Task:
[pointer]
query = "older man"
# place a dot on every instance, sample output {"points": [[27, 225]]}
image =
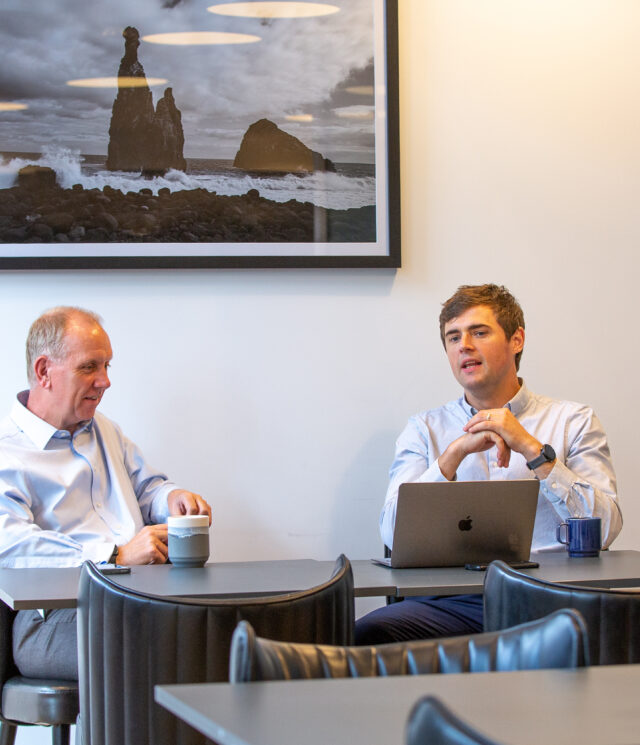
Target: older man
{"points": [[498, 429], [72, 486]]}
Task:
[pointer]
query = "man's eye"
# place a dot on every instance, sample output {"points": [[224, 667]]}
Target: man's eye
{"points": [[454, 339]]}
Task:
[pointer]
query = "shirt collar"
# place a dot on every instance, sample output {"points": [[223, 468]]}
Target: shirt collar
{"points": [[516, 405], [36, 429], [519, 402]]}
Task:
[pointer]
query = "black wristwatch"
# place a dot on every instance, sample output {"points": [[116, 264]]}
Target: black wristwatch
{"points": [[547, 454], [114, 556]]}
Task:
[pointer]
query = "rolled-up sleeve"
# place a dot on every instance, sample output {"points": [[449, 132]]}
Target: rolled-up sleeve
{"points": [[585, 483]]}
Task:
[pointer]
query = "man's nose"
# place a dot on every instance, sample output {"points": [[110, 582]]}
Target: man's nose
{"points": [[102, 380], [465, 341]]}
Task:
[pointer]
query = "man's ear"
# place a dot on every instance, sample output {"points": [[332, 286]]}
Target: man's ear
{"points": [[41, 367], [517, 340]]}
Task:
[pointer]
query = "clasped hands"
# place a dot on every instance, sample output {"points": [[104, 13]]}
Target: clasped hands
{"points": [[499, 427], [486, 429]]}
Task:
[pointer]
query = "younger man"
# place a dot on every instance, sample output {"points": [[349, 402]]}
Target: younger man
{"points": [[497, 429]]}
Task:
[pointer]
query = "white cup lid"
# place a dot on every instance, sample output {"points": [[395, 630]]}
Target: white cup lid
{"points": [[188, 521]]}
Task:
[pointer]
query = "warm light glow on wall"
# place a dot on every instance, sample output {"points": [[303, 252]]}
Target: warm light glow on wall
{"points": [[120, 82], [299, 118], [187, 38], [286, 9], [10, 106]]}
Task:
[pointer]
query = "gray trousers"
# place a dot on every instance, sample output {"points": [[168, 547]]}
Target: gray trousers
{"points": [[46, 647]]}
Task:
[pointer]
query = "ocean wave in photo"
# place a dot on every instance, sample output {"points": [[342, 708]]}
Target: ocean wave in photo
{"points": [[352, 186]]}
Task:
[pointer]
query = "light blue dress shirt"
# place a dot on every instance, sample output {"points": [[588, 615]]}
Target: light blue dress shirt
{"points": [[66, 499], [581, 483]]}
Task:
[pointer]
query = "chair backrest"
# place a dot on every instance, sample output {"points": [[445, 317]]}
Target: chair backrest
{"points": [[432, 723], [556, 641], [612, 617], [128, 642]]}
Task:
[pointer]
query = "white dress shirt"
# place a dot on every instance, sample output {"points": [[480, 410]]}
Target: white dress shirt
{"points": [[65, 499], [581, 483]]}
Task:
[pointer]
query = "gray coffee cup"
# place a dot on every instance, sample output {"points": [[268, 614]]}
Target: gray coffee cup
{"points": [[188, 540]]}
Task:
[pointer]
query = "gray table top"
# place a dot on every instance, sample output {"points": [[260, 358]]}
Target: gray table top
{"points": [[610, 569], [591, 706], [58, 588]]}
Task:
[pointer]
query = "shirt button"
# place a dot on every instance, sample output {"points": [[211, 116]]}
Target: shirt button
{"points": [[494, 464], [554, 485], [99, 505]]}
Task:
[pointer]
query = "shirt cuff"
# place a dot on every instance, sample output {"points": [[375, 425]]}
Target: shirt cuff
{"points": [[557, 486], [160, 506], [98, 554], [433, 473]]}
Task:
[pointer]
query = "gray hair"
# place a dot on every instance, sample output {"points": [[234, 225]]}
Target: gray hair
{"points": [[47, 334]]}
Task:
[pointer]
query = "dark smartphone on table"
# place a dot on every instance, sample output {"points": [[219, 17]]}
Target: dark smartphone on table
{"points": [[513, 564], [114, 569]]}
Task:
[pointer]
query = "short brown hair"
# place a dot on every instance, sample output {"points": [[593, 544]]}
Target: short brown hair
{"points": [[504, 305]]}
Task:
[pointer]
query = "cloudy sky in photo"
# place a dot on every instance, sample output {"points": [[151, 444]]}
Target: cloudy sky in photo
{"points": [[299, 67]]}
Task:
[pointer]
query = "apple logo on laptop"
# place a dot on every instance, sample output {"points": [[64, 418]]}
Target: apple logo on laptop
{"points": [[465, 524]]}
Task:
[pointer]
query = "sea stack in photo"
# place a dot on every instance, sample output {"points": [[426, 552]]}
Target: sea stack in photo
{"points": [[265, 147], [141, 138]]}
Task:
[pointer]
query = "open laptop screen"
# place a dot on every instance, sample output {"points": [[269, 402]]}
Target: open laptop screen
{"points": [[453, 523]]}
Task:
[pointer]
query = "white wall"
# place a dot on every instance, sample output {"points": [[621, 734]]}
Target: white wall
{"points": [[279, 394]]}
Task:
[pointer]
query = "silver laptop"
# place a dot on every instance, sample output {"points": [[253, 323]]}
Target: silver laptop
{"points": [[453, 523]]}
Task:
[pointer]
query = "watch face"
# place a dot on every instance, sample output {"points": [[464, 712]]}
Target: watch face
{"points": [[547, 454]]}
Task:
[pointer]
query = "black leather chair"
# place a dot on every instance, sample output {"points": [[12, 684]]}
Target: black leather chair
{"points": [[129, 642], [432, 723], [33, 701], [612, 616], [556, 641]]}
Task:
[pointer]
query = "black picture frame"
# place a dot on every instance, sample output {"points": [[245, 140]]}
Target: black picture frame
{"points": [[384, 251]]}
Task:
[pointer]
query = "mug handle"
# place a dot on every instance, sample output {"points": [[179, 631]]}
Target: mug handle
{"points": [[559, 531]]}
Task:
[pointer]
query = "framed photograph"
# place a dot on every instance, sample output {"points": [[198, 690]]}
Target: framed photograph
{"points": [[196, 133]]}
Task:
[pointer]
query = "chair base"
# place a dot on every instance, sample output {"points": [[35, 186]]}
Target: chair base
{"points": [[8, 733], [60, 733]]}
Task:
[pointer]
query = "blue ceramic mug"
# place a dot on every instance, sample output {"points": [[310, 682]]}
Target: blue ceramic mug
{"points": [[581, 535]]}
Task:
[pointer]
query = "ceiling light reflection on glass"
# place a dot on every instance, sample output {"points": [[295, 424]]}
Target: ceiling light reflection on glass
{"points": [[119, 82], [192, 38], [355, 112], [299, 118], [282, 9], [360, 90], [11, 106]]}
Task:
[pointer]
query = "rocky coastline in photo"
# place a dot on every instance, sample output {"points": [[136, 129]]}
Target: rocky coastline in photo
{"points": [[150, 142], [267, 148], [38, 210], [140, 138]]}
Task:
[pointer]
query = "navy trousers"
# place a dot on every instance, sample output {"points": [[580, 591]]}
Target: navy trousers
{"points": [[422, 617]]}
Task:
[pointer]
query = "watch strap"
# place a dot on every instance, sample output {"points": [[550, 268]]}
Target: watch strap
{"points": [[547, 454]]}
